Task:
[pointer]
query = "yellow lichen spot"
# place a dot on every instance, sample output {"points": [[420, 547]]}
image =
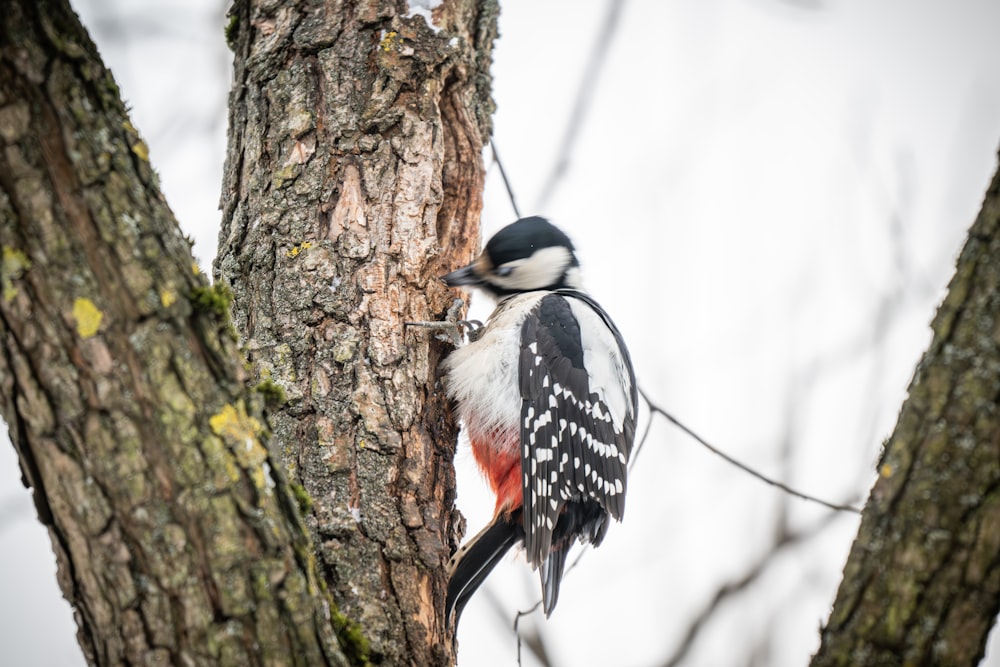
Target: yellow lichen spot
{"points": [[167, 297], [141, 150], [234, 425], [88, 317], [885, 470], [241, 432], [286, 174], [294, 252], [15, 263], [387, 41], [259, 477]]}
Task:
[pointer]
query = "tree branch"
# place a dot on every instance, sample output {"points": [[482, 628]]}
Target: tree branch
{"points": [[922, 582]]}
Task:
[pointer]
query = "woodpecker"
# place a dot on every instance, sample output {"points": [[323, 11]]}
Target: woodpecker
{"points": [[547, 395]]}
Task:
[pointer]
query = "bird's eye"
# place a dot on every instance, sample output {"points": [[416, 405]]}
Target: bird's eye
{"points": [[503, 271]]}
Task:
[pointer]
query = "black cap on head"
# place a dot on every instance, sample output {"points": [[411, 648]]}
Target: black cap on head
{"points": [[522, 238]]}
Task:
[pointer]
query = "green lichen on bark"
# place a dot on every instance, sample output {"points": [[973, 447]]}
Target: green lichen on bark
{"points": [[14, 264], [272, 393], [302, 496], [232, 26], [217, 299], [352, 639]]}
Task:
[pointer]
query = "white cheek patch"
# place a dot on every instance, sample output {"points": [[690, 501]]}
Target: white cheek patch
{"points": [[543, 268], [573, 278]]}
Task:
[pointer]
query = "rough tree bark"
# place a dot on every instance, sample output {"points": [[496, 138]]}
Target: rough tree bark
{"points": [[354, 177], [177, 539], [353, 180], [922, 583]]}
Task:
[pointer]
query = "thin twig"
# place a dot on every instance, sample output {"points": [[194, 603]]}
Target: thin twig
{"points": [[742, 466], [736, 586], [588, 86], [535, 644], [506, 181], [642, 441]]}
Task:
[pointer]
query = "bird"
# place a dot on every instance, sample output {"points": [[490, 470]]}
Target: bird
{"points": [[546, 393]]}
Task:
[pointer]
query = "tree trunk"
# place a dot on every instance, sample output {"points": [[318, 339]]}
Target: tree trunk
{"points": [[177, 540], [922, 583], [353, 180]]}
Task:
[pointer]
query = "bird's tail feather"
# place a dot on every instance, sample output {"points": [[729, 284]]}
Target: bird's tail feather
{"points": [[474, 561], [551, 573], [587, 521]]}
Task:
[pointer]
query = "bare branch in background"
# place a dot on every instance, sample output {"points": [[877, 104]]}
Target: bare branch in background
{"points": [[584, 95], [840, 507], [783, 542], [503, 175], [533, 637], [803, 382]]}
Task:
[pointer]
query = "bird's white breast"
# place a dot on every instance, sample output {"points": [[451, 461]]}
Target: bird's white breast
{"points": [[482, 376]]}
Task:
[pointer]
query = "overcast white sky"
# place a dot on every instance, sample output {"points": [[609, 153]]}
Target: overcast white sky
{"points": [[767, 195]]}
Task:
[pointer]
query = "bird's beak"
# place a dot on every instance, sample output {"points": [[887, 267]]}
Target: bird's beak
{"points": [[465, 276]]}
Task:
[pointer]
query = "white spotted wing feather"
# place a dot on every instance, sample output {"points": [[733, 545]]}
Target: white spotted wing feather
{"points": [[578, 409]]}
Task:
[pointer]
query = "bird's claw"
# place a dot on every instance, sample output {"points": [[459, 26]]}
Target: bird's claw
{"points": [[453, 327]]}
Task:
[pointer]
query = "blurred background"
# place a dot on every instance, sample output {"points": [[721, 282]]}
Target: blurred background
{"points": [[768, 196]]}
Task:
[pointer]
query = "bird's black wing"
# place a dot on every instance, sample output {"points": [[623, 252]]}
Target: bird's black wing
{"points": [[574, 449]]}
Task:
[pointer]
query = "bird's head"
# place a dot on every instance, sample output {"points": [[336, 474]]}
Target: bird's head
{"points": [[528, 255]]}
